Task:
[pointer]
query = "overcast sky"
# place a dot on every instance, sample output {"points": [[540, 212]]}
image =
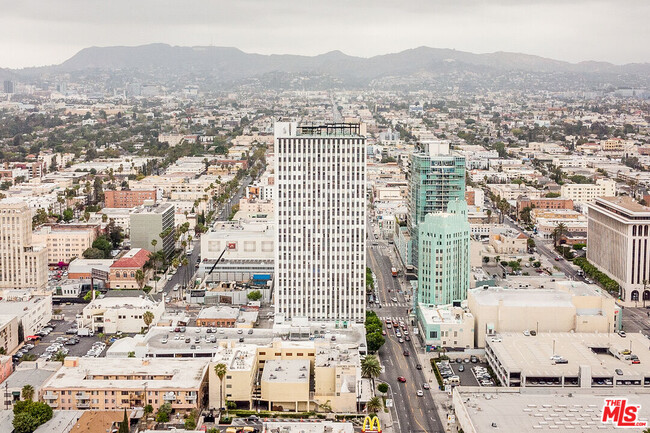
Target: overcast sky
{"points": [[40, 32]]}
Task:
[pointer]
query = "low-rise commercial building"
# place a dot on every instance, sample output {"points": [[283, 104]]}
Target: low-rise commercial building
{"points": [[117, 312], [218, 317], [563, 307], [445, 326], [34, 373], [570, 360], [33, 311], [110, 384], [481, 410], [508, 241], [123, 272]]}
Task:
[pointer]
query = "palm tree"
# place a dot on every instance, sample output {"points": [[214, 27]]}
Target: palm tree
{"points": [[370, 367], [154, 242], [148, 318], [28, 392], [59, 356], [220, 370], [374, 405], [558, 232], [489, 215], [139, 278]]}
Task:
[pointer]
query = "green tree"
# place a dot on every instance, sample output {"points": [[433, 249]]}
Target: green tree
{"points": [[220, 370], [559, 231], [255, 295], [190, 422], [163, 412], [131, 354], [93, 253], [104, 245], [374, 405], [88, 296], [148, 409], [124, 425], [28, 392], [59, 356], [28, 415], [383, 388], [68, 215]]}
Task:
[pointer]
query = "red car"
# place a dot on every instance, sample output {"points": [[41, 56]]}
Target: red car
{"points": [[383, 332], [406, 353], [401, 379]]}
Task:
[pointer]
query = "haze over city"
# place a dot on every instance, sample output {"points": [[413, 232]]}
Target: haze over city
{"points": [[324, 217], [36, 33]]}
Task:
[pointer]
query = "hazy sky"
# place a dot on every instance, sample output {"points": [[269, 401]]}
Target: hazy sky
{"points": [[39, 32]]}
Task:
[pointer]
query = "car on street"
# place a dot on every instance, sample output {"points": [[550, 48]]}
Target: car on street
{"points": [[393, 299], [383, 332], [418, 367], [622, 333], [420, 393], [619, 371], [401, 379], [400, 340], [426, 386], [406, 353], [407, 338]]}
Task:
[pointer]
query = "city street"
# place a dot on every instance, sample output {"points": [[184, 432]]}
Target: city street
{"points": [[410, 413]]}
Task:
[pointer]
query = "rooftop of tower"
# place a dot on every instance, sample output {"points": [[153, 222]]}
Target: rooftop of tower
{"points": [[330, 129]]}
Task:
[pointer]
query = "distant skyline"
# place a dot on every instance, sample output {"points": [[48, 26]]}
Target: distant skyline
{"points": [[37, 32]]}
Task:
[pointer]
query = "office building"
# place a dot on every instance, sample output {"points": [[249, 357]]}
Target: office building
{"points": [[443, 257], [119, 313], [148, 222], [321, 222], [437, 177], [22, 264], [618, 229], [8, 86]]}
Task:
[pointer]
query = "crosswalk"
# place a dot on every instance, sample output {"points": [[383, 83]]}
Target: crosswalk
{"points": [[396, 319], [395, 304]]}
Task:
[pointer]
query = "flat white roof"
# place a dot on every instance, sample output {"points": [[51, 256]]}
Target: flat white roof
{"points": [[542, 411], [532, 355]]}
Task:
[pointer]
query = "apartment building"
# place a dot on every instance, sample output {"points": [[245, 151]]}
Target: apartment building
{"points": [[543, 203], [66, 242], [278, 376], [124, 383], [148, 222], [23, 264], [508, 242], [321, 222], [618, 232], [128, 198], [588, 192], [437, 177]]}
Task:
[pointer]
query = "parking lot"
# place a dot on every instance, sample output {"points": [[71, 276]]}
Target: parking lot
{"points": [[58, 335]]}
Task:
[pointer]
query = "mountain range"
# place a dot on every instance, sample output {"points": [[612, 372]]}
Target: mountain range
{"points": [[232, 65]]}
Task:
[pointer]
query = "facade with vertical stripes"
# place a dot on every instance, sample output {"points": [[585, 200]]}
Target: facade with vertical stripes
{"points": [[321, 215], [618, 236]]}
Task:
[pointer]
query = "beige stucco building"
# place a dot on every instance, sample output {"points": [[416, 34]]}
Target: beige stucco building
{"points": [[23, 264], [119, 313], [588, 192], [109, 384], [618, 233], [564, 307], [278, 376], [509, 242], [66, 242]]}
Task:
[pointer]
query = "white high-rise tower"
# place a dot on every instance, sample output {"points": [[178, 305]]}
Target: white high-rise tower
{"points": [[321, 214]]}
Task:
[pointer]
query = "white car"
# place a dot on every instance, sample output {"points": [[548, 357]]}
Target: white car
{"points": [[420, 393]]}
